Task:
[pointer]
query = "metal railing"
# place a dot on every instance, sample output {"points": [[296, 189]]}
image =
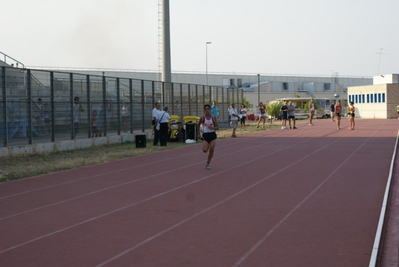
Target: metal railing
{"points": [[38, 106], [13, 59]]}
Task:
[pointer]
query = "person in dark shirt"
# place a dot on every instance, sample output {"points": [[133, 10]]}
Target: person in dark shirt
{"points": [[284, 115], [332, 110]]}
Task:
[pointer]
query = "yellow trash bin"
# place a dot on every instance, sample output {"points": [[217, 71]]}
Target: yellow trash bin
{"points": [[190, 125]]}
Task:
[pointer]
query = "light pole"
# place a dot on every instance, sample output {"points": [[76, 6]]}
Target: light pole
{"points": [[258, 89], [206, 61]]}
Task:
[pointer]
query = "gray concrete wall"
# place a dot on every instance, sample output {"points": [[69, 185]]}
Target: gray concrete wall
{"points": [[49, 147]]}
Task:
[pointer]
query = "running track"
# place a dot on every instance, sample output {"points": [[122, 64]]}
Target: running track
{"points": [[305, 197]]}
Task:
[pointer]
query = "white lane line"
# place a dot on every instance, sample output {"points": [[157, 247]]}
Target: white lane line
{"points": [[377, 239], [219, 203], [107, 173], [130, 182], [249, 252], [150, 198]]}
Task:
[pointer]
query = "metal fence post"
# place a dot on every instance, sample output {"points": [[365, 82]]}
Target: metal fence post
{"points": [[181, 100], [29, 94], [52, 110], [71, 96], [118, 105], [223, 110], [89, 107], [189, 100], [104, 105], [203, 95], [131, 104], [4, 92], [142, 106]]}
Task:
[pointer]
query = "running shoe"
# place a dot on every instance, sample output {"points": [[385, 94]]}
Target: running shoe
{"points": [[207, 166]]}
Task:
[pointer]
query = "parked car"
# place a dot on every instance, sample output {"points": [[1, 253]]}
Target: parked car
{"points": [[322, 114]]}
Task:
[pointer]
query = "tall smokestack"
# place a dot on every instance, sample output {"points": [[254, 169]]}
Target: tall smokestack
{"points": [[166, 65]]}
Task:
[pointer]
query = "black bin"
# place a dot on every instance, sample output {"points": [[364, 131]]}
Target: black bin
{"points": [[141, 141], [191, 131]]}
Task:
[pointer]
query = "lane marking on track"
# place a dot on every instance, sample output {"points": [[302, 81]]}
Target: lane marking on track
{"points": [[162, 194], [249, 252], [380, 226], [130, 182], [227, 199]]}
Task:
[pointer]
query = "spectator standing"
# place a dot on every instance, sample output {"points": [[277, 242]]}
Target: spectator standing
{"points": [[338, 113], [154, 121], [332, 110], [215, 110], [262, 114], [351, 116], [125, 116], [243, 116], [291, 114], [234, 119], [77, 109], [397, 110], [311, 111], [284, 115], [163, 118]]}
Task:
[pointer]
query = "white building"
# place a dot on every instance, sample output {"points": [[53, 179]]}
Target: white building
{"points": [[378, 100]]}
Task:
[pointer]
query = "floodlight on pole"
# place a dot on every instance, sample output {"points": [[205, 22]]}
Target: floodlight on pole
{"points": [[206, 61], [258, 89]]}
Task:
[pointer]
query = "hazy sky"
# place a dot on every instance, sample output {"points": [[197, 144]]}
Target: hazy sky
{"points": [[315, 37]]}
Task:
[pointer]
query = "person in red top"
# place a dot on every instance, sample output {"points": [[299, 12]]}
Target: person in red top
{"points": [[338, 113]]}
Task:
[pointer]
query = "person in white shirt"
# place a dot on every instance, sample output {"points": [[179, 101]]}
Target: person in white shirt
{"points": [[154, 122], [163, 118], [209, 125], [125, 116], [311, 112], [77, 109], [234, 119]]}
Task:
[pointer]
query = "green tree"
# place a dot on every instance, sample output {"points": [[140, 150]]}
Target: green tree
{"points": [[246, 103], [316, 105], [273, 108]]}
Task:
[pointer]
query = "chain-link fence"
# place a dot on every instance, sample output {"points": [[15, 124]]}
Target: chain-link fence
{"points": [[39, 106]]}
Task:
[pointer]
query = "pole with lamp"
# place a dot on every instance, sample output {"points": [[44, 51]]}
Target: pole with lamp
{"points": [[258, 91], [206, 61]]}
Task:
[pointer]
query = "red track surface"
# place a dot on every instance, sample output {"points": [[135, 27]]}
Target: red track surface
{"points": [[305, 197]]}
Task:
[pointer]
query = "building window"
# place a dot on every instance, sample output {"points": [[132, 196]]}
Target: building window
{"points": [[379, 98], [239, 83], [383, 97], [356, 99], [375, 98], [285, 86], [368, 98], [327, 86], [363, 99], [232, 82]]}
